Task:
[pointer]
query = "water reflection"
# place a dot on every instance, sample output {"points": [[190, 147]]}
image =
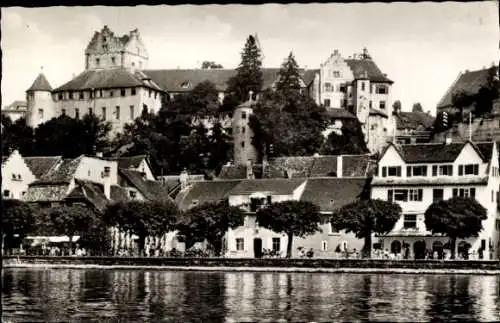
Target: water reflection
{"points": [[34, 295]]}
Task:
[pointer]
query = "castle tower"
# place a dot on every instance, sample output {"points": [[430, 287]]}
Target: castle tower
{"points": [[244, 151], [40, 106], [107, 51]]}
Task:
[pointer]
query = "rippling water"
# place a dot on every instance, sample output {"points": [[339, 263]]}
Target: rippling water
{"points": [[71, 295]]}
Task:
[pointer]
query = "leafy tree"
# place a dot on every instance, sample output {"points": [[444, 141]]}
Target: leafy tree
{"points": [[17, 219], [458, 217], [294, 218], [143, 218], [487, 93], [209, 221], [365, 217], [350, 142], [16, 135], [249, 73], [95, 134], [210, 65], [417, 107], [396, 106], [293, 129], [67, 220], [288, 83]]}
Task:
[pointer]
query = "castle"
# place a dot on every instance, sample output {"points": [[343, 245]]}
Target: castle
{"points": [[117, 86]]}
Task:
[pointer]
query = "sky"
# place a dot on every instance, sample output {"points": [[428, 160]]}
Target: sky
{"points": [[422, 47]]}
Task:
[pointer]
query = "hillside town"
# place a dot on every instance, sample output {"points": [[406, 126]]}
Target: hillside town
{"points": [[249, 162]]}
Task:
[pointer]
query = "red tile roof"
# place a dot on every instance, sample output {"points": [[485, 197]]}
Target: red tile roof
{"points": [[40, 84], [107, 79], [206, 191], [91, 192], [63, 172], [40, 166], [151, 190]]}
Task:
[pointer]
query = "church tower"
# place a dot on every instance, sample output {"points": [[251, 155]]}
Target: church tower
{"points": [[40, 106], [108, 51]]}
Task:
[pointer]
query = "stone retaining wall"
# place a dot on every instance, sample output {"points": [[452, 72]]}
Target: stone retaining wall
{"points": [[13, 261]]}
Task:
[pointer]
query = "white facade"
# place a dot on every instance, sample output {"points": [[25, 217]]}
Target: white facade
{"points": [[244, 150], [16, 176], [415, 193]]}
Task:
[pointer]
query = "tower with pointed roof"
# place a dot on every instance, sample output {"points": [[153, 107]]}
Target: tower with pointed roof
{"points": [[108, 51], [40, 106], [244, 151]]}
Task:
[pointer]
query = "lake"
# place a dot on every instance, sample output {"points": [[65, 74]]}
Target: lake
{"points": [[83, 295]]}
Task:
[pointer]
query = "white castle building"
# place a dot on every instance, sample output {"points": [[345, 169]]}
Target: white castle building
{"points": [[117, 86]]}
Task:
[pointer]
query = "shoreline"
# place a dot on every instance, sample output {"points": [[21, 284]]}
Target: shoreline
{"points": [[413, 271]]}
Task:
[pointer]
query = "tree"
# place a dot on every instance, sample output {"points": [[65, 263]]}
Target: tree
{"points": [[417, 107], [209, 221], [16, 135], [487, 93], [210, 65], [458, 217], [294, 218], [288, 83], [396, 107], [350, 142], [365, 217], [17, 219], [249, 73], [67, 220], [143, 218]]}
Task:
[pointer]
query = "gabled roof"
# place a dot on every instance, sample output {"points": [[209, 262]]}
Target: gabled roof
{"points": [[469, 81], [107, 79], [88, 191], [63, 172], [366, 69], [414, 120], [378, 112], [356, 165], [440, 152], [184, 80], [276, 186], [151, 190], [339, 113], [40, 84], [206, 191], [41, 165], [332, 193]]}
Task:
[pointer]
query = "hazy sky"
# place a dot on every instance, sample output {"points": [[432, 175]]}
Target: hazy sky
{"points": [[421, 46]]}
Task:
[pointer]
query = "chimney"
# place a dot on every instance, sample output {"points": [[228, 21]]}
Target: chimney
{"points": [[447, 139], [339, 166], [107, 187], [183, 179]]}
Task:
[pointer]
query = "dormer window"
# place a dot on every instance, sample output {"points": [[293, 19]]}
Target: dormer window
{"points": [[391, 171], [194, 202], [468, 169], [416, 170], [132, 194], [185, 84]]}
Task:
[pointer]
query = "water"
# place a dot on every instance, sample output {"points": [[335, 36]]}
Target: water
{"points": [[70, 295]]}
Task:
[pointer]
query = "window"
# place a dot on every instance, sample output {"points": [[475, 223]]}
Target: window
{"points": [[384, 171], [70, 95], [442, 170], [420, 170], [6, 193], [390, 196], [497, 224], [437, 194], [410, 221], [327, 102], [394, 171], [401, 195], [468, 169], [243, 115], [106, 172], [243, 129], [113, 60], [40, 114], [242, 144], [149, 92], [370, 104], [324, 245], [100, 93], [122, 92], [104, 113], [381, 89], [332, 229], [240, 244], [328, 87], [117, 112], [60, 96], [276, 244], [144, 108], [132, 91], [80, 95], [97, 61], [362, 86], [343, 88], [91, 111], [336, 74], [63, 112], [464, 192], [131, 112], [132, 194], [382, 105], [111, 93], [91, 94], [194, 202], [415, 195], [77, 113]]}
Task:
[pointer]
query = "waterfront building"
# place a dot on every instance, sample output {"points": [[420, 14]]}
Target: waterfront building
{"points": [[15, 111], [250, 240], [16, 176], [413, 127], [415, 176]]}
